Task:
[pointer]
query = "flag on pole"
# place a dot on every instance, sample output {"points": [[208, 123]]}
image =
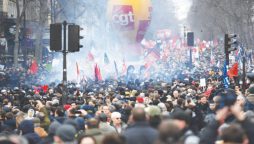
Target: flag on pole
{"points": [[124, 69], [116, 69], [48, 67], [77, 68], [106, 60], [225, 77], [97, 73], [233, 71], [34, 67], [218, 64], [212, 59], [90, 56]]}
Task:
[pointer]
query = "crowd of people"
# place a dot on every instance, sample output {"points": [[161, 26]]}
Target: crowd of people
{"points": [[116, 112], [168, 106]]}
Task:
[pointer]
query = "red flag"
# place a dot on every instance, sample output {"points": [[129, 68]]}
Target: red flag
{"points": [[34, 67], [45, 88], [97, 73], [233, 71], [124, 70], [90, 56], [77, 69]]}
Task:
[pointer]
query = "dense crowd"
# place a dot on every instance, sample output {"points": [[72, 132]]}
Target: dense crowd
{"points": [[166, 104], [119, 112]]}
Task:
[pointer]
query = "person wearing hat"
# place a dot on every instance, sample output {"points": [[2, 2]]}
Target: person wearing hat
{"points": [[65, 134]]}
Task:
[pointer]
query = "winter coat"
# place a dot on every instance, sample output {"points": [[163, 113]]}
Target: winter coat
{"points": [[106, 128], [46, 121], [140, 133], [96, 133], [27, 129]]}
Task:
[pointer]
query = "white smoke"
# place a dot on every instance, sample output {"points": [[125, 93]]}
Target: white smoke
{"points": [[101, 38]]}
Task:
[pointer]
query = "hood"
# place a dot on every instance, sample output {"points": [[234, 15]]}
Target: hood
{"points": [[26, 127], [32, 138]]}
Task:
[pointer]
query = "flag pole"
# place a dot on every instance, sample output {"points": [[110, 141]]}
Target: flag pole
{"points": [[244, 75]]}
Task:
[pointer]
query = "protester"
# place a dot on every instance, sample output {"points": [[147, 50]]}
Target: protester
{"points": [[140, 131], [169, 106], [65, 134]]}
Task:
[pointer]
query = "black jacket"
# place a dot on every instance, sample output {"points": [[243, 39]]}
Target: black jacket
{"points": [[209, 133], [140, 133]]}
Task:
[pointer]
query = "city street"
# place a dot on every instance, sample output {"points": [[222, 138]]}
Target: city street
{"points": [[126, 71]]}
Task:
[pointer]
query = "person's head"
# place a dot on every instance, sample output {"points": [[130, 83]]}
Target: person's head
{"points": [[162, 106], [26, 126], [203, 100], [39, 104], [105, 110], [212, 106], [175, 94], [30, 113], [51, 91], [182, 119], [113, 139], [53, 127], [71, 112], [250, 90], [154, 114], [139, 115], [19, 118], [73, 106], [65, 133], [216, 100], [36, 122], [59, 112], [9, 115], [116, 118], [240, 100], [234, 134], [103, 117], [92, 123], [169, 131], [84, 139]]}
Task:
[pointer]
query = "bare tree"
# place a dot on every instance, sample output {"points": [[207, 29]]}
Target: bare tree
{"points": [[43, 17], [217, 17], [20, 15]]}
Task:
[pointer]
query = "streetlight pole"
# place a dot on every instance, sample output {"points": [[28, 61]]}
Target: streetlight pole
{"points": [[25, 51], [64, 54]]}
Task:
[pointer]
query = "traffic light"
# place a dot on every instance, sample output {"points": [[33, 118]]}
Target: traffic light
{"points": [[190, 38], [74, 38], [56, 37], [230, 44]]}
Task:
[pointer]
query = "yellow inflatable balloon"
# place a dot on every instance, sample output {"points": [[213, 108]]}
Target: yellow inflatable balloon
{"points": [[130, 18]]}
